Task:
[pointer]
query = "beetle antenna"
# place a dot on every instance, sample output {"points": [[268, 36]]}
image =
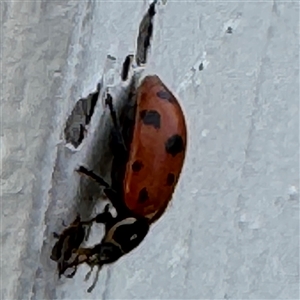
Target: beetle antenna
{"points": [[88, 274], [95, 279]]}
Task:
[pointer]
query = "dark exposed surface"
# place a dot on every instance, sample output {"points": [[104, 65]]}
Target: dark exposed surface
{"points": [[80, 117], [145, 35]]}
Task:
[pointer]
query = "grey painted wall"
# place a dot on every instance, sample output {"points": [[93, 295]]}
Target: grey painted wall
{"points": [[232, 230]]}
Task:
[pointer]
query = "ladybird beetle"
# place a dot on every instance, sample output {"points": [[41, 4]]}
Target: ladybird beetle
{"points": [[148, 143], [144, 177]]}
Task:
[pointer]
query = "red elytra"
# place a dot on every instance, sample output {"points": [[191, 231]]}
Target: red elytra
{"points": [[157, 150]]}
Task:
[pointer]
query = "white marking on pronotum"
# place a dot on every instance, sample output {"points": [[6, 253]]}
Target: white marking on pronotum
{"points": [[109, 237]]}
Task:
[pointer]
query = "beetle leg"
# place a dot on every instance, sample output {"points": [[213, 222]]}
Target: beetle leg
{"points": [[108, 101], [111, 194], [115, 200], [69, 239], [88, 274], [61, 261], [71, 275], [119, 145], [89, 290], [104, 217], [82, 256], [92, 175], [70, 244], [66, 266]]}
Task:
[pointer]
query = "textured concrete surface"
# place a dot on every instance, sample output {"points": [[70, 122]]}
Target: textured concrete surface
{"points": [[232, 231]]}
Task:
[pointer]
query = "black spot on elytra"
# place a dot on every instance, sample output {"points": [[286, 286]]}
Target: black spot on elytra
{"points": [[165, 95], [150, 117], [143, 195], [174, 144], [170, 179], [137, 166]]}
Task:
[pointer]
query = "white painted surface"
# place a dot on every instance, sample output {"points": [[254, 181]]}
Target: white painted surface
{"points": [[232, 230]]}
